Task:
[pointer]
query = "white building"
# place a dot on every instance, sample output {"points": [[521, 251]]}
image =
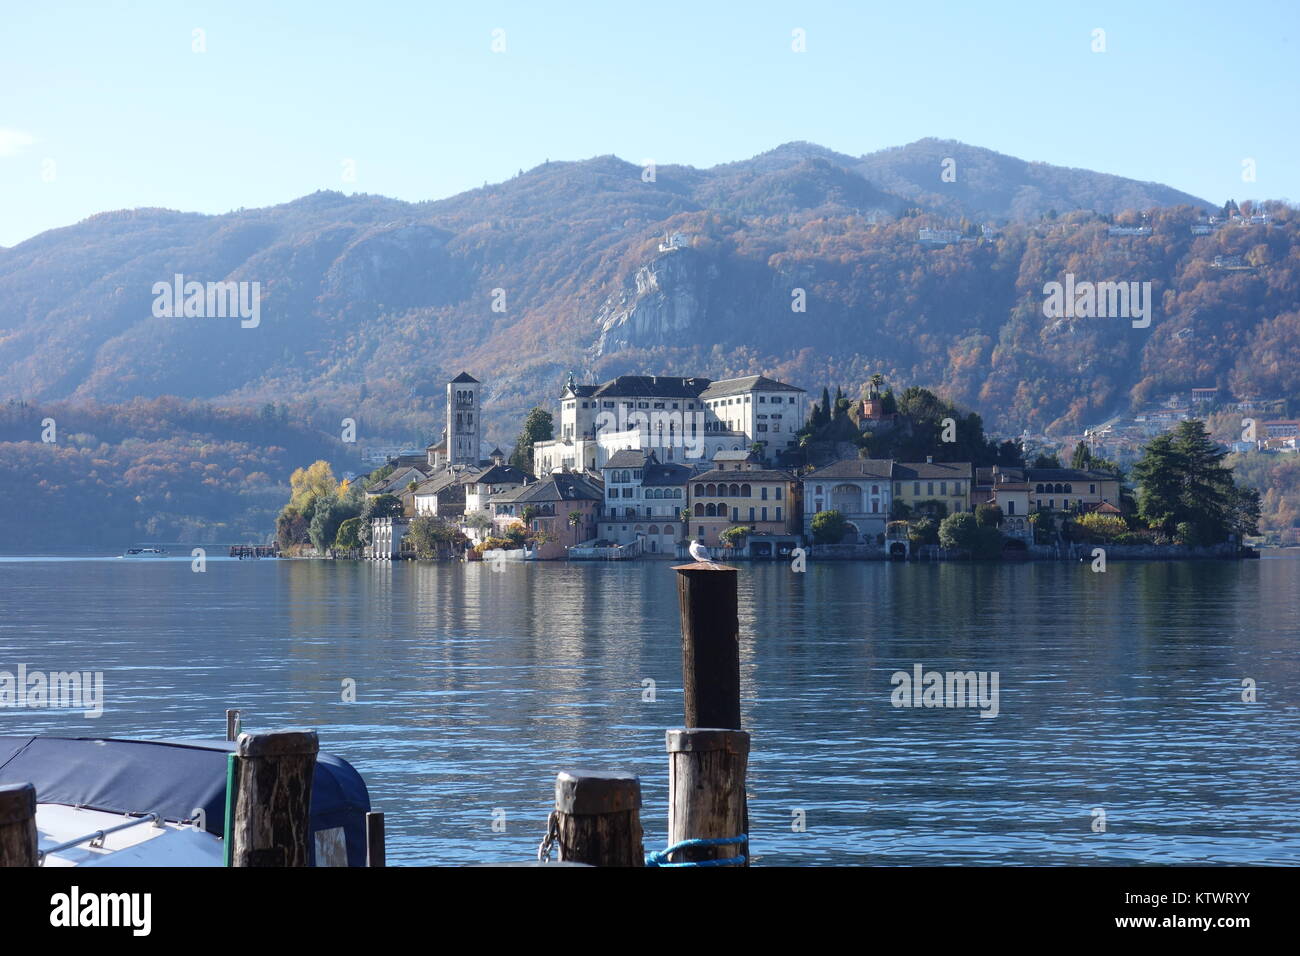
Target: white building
{"points": [[683, 420], [860, 489], [644, 499]]}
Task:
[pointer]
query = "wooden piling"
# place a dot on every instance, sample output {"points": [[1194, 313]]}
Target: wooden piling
{"points": [[376, 851], [706, 791], [18, 825], [598, 818], [271, 819], [232, 724], [706, 597]]}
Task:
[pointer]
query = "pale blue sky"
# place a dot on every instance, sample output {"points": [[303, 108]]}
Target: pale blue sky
{"points": [[130, 116]]}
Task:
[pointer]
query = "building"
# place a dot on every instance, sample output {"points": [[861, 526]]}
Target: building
{"points": [[755, 409], [479, 492], [917, 484], [1066, 489], [681, 419], [1008, 490], [859, 489], [443, 495], [938, 237], [1281, 428], [464, 423], [565, 505], [386, 536], [740, 492], [644, 499], [658, 412]]}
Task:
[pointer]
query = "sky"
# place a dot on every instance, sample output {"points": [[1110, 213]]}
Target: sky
{"points": [[111, 105]]}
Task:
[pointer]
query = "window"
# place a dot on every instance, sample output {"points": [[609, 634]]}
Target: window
{"points": [[764, 514], [751, 514], [764, 494], [943, 489], [778, 492], [1011, 507], [778, 514], [929, 487], [916, 488], [1092, 489]]}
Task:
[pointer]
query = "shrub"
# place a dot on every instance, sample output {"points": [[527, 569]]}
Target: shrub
{"points": [[925, 531], [828, 527], [959, 532], [1095, 527]]}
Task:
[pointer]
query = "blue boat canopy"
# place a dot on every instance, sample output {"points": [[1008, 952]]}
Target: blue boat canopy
{"points": [[171, 777]]}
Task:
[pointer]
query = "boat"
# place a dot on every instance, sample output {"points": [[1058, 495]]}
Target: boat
{"points": [[144, 553], [104, 801]]}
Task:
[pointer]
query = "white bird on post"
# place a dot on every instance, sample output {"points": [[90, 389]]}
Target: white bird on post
{"points": [[699, 552]]}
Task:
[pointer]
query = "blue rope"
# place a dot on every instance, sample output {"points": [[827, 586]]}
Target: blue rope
{"points": [[660, 857]]}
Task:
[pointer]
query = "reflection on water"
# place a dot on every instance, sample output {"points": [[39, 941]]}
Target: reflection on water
{"points": [[1119, 690]]}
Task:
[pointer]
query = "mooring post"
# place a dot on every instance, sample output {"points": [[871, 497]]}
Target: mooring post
{"points": [[706, 791], [272, 810], [598, 818], [375, 849], [18, 825], [706, 596], [232, 724]]}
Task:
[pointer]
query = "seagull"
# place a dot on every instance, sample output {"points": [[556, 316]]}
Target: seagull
{"points": [[699, 552]]}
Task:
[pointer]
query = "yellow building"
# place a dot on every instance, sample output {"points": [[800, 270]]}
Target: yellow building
{"points": [[1070, 489], [739, 491], [945, 481]]}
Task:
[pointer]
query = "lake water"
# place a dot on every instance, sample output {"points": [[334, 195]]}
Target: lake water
{"points": [[1120, 691]]}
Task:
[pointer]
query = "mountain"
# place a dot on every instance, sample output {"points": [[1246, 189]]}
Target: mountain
{"points": [[990, 186], [368, 304]]}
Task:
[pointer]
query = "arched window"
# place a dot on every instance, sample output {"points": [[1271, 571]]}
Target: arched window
{"points": [[654, 529], [668, 529], [1038, 488], [745, 491], [699, 491], [699, 510], [735, 491], [1069, 489], [710, 510], [711, 491]]}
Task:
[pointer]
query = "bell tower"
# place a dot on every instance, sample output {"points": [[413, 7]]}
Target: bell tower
{"points": [[464, 421]]}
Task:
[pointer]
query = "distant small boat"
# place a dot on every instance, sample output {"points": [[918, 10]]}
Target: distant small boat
{"points": [[145, 553]]}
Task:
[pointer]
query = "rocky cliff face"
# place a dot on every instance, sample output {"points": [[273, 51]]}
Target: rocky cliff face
{"points": [[666, 303]]}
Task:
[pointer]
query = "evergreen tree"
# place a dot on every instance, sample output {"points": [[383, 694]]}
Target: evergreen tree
{"points": [[1184, 488], [1082, 457], [538, 426]]}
